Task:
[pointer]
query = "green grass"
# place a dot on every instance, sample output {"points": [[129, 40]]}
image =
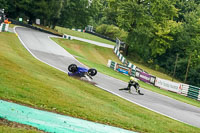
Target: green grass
{"points": [[82, 35], [25, 80], [99, 58], [13, 127], [7, 129]]}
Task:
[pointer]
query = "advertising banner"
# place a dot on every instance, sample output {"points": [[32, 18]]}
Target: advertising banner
{"points": [[123, 69], [37, 21], [168, 85], [145, 77]]}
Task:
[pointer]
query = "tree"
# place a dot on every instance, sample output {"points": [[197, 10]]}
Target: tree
{"points": [[3, 4], [148, 23], [98, 8], [75, 13]]}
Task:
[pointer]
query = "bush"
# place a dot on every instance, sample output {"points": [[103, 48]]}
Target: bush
{"points": [[111, 31], [101, 29]]}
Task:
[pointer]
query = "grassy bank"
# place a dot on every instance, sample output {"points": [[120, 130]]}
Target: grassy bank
{"points": [[83, 51], [62, 30], [13, 127], [25, 80], [7, 129], [82, 35]]}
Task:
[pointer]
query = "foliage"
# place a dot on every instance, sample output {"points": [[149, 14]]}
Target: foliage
{"points": [[75, 13], [3, 4], [112, 31], [159, 30], [68, 13]]}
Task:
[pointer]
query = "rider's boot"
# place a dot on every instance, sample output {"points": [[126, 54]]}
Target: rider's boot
{"points": [[140, 93]]}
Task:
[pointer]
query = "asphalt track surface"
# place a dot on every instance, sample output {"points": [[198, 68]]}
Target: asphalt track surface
{"points": [[46, 50]]}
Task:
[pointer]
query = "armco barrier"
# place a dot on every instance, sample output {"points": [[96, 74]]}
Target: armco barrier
{"points": [[4, 27], [124, 60], [119, 55], [112, 64], [193, 92], [185, 88]]}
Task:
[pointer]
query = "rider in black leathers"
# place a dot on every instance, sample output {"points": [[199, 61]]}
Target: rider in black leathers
{"points": [[133, 82]]}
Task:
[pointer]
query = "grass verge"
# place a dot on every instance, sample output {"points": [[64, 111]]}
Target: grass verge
{"points": [[13, 127], [82, 35], [25, 80]]}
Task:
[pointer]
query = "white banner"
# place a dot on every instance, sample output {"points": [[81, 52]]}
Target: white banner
{"points": [[168, 85], [38, 21]]}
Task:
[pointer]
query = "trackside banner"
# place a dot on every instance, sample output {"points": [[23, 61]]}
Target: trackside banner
{"points": [[123, 69], [145, 77], [168, 85]]}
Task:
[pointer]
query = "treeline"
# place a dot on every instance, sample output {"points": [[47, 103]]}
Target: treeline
{"points": [[159, 33], [68, 13]]}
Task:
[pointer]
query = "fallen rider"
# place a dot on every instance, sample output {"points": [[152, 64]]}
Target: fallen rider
{"points": [[133, 82]]}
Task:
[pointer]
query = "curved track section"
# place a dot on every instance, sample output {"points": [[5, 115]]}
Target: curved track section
{"points": [[51, 53]]}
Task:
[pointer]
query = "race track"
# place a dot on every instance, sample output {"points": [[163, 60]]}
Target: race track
{"points": [[46, 50]]}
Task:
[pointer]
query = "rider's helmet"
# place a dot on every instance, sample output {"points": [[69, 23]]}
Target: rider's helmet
{"points": [[133, 79]]}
